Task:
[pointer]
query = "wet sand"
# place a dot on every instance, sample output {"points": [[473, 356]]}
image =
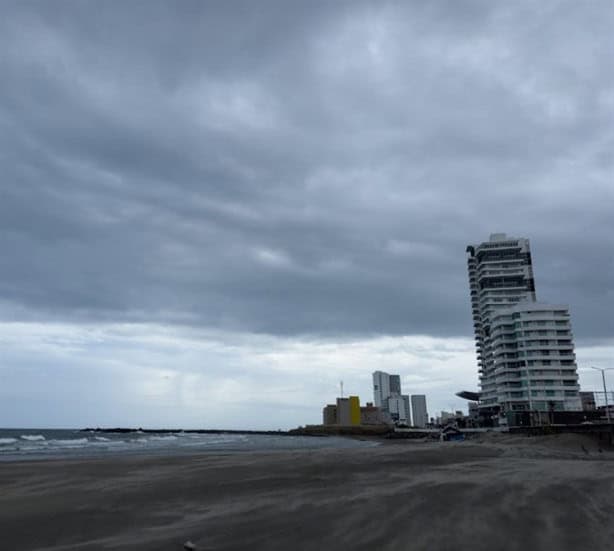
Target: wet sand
{"points": [[503, 493]]}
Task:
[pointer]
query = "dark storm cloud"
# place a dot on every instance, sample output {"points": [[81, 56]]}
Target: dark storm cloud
{"points": [[306, 168]]}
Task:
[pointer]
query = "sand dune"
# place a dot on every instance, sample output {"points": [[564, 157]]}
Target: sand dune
{"points": [[498, 493]]}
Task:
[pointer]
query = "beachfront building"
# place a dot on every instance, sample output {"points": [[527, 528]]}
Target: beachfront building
{"points": [[534, 360], [419, 414], [525, 350], [500, 276]]}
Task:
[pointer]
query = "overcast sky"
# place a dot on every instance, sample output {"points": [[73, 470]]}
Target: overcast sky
{"points": [[212, 212]]}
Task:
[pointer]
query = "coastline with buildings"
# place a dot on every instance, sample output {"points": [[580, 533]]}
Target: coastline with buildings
{"points": [[526, 362], [389, 407]]}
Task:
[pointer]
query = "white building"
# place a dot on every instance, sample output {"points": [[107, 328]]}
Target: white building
{"points": [[418, 410], [381, 389], [511, 356], [387, 396], [533, 359], [500, 276], [398, 407]]}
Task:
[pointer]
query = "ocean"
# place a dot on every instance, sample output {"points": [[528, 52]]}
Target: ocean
{"points": [[18, 444]]}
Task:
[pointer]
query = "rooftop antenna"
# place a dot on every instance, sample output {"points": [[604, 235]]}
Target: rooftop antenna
{"points": [[341, 386]]}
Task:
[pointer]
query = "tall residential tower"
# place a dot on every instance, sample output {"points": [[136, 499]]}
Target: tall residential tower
{"points": [[500, 276], [525, 350]]}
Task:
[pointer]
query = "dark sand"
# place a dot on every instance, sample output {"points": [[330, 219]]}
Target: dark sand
{"points": [[501, 494]]}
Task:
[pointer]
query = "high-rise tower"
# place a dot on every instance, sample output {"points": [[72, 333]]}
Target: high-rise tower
{"points": [[525, 351], [500, 276]]}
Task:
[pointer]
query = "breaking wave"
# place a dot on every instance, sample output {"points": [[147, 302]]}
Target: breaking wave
{"points": [[33, 437]]}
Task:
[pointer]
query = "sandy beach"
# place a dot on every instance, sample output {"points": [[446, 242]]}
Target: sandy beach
{"points": [[502, 493]]}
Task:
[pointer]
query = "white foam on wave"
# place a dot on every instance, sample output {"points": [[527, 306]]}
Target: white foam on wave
{"points": [[102, 439], [32, 437], [169, 437], [6, 441]]}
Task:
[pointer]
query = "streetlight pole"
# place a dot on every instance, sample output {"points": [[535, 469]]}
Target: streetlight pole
{"points": [[605, 390]]}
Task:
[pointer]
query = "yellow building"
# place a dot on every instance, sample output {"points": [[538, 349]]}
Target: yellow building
{"points": [[348, 411], [354, 410]]}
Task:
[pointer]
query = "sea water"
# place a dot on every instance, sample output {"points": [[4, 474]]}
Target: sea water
{"points": [[45, 443]]}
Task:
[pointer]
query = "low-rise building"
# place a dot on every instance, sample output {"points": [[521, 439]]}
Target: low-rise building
{"points": [[348, 411], [329, 414], [372, 415]]}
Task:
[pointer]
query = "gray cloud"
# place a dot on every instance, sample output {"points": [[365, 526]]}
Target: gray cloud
{"points": [[304, 169]]}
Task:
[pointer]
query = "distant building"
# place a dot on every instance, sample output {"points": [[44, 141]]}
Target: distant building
{"points": [[398, 407], [418, 410], [446, 417], [387, 396], [329, 415], [381, 389], [348, 411], [354, 410], [372, 415], [343, 411], [395, 384], [588, 401]]}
